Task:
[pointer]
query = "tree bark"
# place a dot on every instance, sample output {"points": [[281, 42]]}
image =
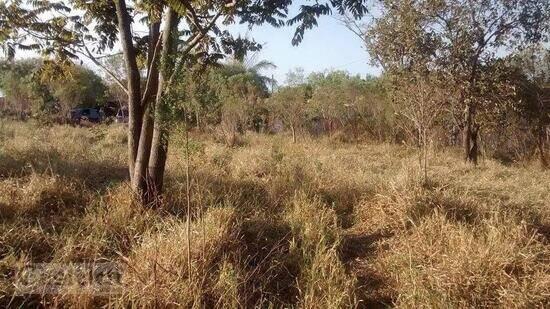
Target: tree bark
{"points": [[159, 145], [471, 127], [139, 179], [135, 111], [471, 130]]}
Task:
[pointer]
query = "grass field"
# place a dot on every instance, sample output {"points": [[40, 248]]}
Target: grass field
{"points": [[317, 224]]}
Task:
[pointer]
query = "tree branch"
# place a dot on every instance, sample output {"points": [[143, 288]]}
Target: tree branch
{"points": [[194, 16], [192, 43], [89, 55], [148, 85]]}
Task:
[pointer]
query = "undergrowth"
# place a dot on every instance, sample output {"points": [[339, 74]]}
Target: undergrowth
{"points": [[317, 224]]}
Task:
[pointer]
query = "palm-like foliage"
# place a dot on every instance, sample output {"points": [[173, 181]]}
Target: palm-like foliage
{"points": [[252, 70]]}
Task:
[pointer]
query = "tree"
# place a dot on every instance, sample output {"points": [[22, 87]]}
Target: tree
{"points": [[59, 28], [534, 90], [242, 89], [459, 38], [19, 86], [419, 101], [77, 87], [229, 94], [45, 89], [352, 102], [296, 77], [291, 105], [197, 95]]}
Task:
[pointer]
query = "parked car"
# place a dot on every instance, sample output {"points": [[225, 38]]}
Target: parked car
{"points": [[122, 116], [85, 114]]}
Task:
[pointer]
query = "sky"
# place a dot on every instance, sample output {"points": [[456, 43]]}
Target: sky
{"points": [[330, 46]]}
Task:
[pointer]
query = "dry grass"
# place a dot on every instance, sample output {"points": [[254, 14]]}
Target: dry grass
{"points": [[157, 271], [494, 264], [323, 281], [318, 224]]}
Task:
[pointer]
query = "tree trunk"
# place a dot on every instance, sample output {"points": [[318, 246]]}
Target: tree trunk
{"points": [[159, 150], [471, 127], [470, 135], [146, 141], [293, 133], [135, 112], [159, 146], [139, 179]]}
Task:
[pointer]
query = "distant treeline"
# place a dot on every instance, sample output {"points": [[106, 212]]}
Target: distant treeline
{"points": [[232, 98], [48, 90]]}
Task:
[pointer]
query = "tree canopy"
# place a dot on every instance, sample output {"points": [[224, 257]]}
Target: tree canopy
{"points": [[461, 42], [45, 89]]}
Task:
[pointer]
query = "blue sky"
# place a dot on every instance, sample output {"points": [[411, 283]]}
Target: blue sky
{"points": [[329, 46]]}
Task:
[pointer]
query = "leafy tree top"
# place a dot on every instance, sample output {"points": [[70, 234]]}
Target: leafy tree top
{"points": [[77, 28]]}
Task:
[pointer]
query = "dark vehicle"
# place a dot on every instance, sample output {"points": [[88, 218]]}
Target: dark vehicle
{"points": [[85, 114]]}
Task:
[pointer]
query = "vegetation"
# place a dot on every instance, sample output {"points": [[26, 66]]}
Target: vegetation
{"points": [[164, 54], [47, 90], [416, 188], [291, 106], [274, 223], [458, 40]]}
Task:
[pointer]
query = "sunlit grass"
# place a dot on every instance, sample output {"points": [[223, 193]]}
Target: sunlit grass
{"points": [[275, 223]]}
